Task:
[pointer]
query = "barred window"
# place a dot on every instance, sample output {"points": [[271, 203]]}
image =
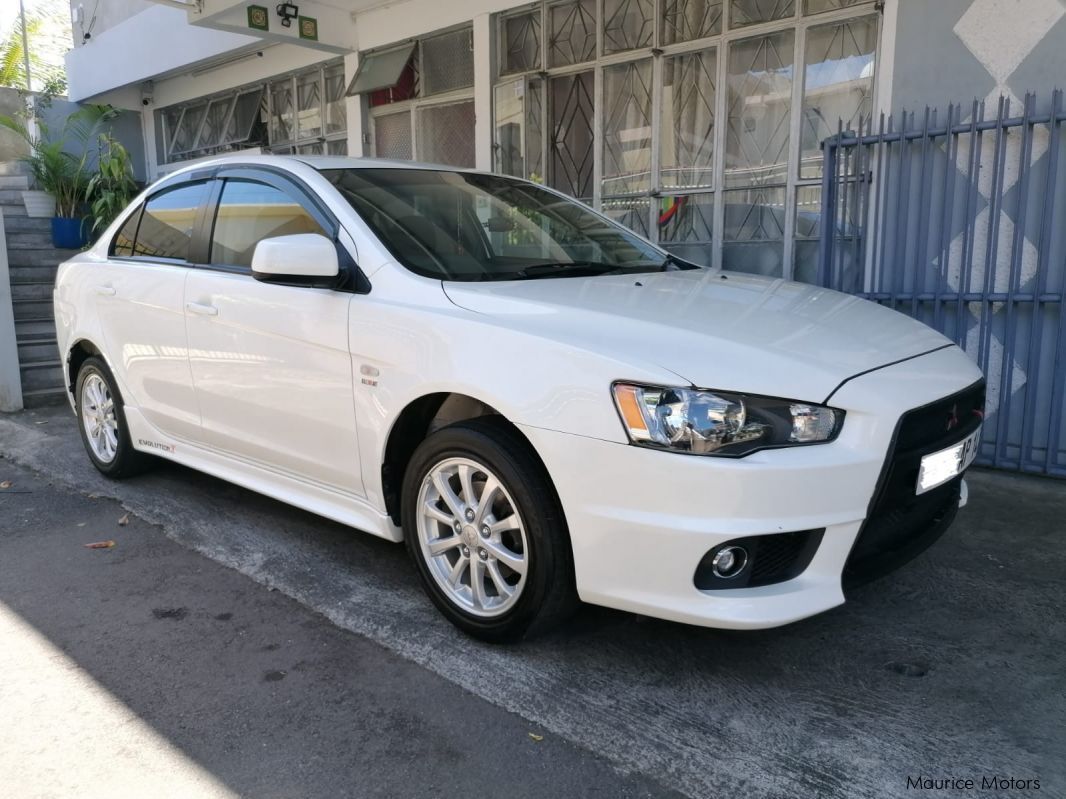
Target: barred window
{"points": [[680, 118], [299, 112], [420, 96]]}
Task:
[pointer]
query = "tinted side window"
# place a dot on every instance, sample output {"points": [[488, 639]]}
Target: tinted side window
{"points": [[249, 212], [122, 245], [167, 222]]}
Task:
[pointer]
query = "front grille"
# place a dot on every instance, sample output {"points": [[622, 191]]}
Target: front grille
{"points": [[772, 558], [900, 524]]}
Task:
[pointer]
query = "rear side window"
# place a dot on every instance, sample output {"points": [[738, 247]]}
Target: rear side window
{"points": [[249, 212], [167, 222], [123, 242]]}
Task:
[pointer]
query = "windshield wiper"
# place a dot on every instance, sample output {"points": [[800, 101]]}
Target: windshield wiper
{"points": [[574, 268]]}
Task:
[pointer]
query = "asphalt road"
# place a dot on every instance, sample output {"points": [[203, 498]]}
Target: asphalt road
{"points": [[951, 667], [145, 669]]}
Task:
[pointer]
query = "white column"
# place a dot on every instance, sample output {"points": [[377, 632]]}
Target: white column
{"points": [[354, 110], [483, 91], [10, 380], [886, 61], [151, 165]]}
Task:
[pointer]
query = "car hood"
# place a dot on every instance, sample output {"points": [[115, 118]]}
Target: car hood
{"points": [[721, 330]]}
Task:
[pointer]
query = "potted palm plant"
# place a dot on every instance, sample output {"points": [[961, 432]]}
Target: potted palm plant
{"points": [[60, 163]]}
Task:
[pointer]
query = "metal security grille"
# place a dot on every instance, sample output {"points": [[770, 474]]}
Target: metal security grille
{"points": [[447, 62], [392, 136], [444, 133], [423, 109], [956, 222]]}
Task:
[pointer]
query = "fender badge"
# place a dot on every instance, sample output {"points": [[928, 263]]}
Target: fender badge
{"points": [[369, 374]]}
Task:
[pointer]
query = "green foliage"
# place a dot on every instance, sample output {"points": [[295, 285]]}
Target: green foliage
{"points": [[59, 160], [12, 53], [112, 188], [47, 30]]}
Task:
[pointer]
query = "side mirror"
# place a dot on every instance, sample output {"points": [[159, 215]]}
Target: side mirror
{"points": [[305, 259]]}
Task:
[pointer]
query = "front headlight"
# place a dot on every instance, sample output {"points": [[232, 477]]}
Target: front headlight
{"points": [[718, 422]]}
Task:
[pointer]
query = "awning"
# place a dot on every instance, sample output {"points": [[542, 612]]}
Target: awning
{"points": [[380, 70]]}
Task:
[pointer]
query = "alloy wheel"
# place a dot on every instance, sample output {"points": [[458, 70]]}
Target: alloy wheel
{"points": [[98, 417], [472, 537]]}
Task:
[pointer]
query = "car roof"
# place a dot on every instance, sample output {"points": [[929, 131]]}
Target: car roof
{"points": [[318, 162], [346, 162], [292, 163]]}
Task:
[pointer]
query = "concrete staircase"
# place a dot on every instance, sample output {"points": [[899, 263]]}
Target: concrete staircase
{"points": [[32, 264]]}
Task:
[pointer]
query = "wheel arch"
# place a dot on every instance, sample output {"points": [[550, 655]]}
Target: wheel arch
{"points": [[81, 350], [420, 418]]}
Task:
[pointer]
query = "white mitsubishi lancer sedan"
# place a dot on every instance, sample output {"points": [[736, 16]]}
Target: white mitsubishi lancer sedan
{"points": [[542, 405]]}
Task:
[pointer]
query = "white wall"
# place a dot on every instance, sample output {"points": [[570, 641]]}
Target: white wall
{"points": [[98, 17], [246, 68], [398, 21], [153, 42]]}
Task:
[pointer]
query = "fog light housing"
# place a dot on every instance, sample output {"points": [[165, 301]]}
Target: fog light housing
{"points": [[729, 561], [756, 560]]}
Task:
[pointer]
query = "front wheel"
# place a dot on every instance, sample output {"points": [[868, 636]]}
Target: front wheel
{"points": [[485, 530], [102, 422]]}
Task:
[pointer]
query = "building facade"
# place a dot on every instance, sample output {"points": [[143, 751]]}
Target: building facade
{"points": [[699, 123], [696, 122]]}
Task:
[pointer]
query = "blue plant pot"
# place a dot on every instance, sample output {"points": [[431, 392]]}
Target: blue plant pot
{"points": [[69, 234]]}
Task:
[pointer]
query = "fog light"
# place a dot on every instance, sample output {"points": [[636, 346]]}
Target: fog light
{"points": [[729, 562]]}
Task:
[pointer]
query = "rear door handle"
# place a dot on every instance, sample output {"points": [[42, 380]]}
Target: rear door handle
{"points": [[203, 310], [104, 291]]}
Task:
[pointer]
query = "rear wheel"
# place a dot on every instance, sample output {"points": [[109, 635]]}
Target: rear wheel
{"points": [[485, 530], [102, 422]]}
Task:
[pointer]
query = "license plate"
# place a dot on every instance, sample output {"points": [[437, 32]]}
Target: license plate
{"points": [[939, 467]]}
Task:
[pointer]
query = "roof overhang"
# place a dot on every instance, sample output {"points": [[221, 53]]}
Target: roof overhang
{"points": [[175, 36]]}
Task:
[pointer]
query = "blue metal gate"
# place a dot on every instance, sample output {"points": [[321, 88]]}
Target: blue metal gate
{"points": [[960, 223]]}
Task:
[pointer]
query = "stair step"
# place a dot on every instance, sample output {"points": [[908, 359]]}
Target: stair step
{"points": [[40, 397], [33, 224], [13, 168], [10, 210], [45, 256], [35, 335], [44, 373], [31, 309], [20, 274], [14, 182], [32, 290], [11, 197], [38, 350], [30, 240], [45, 326]]}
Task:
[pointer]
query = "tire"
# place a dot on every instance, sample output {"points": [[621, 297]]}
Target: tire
{"points": [[530, 519], [112, 453]]}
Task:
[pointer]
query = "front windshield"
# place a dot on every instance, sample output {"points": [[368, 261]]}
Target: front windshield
{"points": [[463, 226]]}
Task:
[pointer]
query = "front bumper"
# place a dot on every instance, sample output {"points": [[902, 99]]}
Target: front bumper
{"points": [[641, 520]]}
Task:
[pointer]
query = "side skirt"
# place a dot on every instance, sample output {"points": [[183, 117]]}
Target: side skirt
{"points": [[334, 505]]}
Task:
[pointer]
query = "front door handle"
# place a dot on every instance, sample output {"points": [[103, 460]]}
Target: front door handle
{"points": [[104, 291], [203, 310]]}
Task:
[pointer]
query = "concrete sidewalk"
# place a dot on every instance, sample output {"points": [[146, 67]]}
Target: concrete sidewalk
{"points": [[951, 667]]}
